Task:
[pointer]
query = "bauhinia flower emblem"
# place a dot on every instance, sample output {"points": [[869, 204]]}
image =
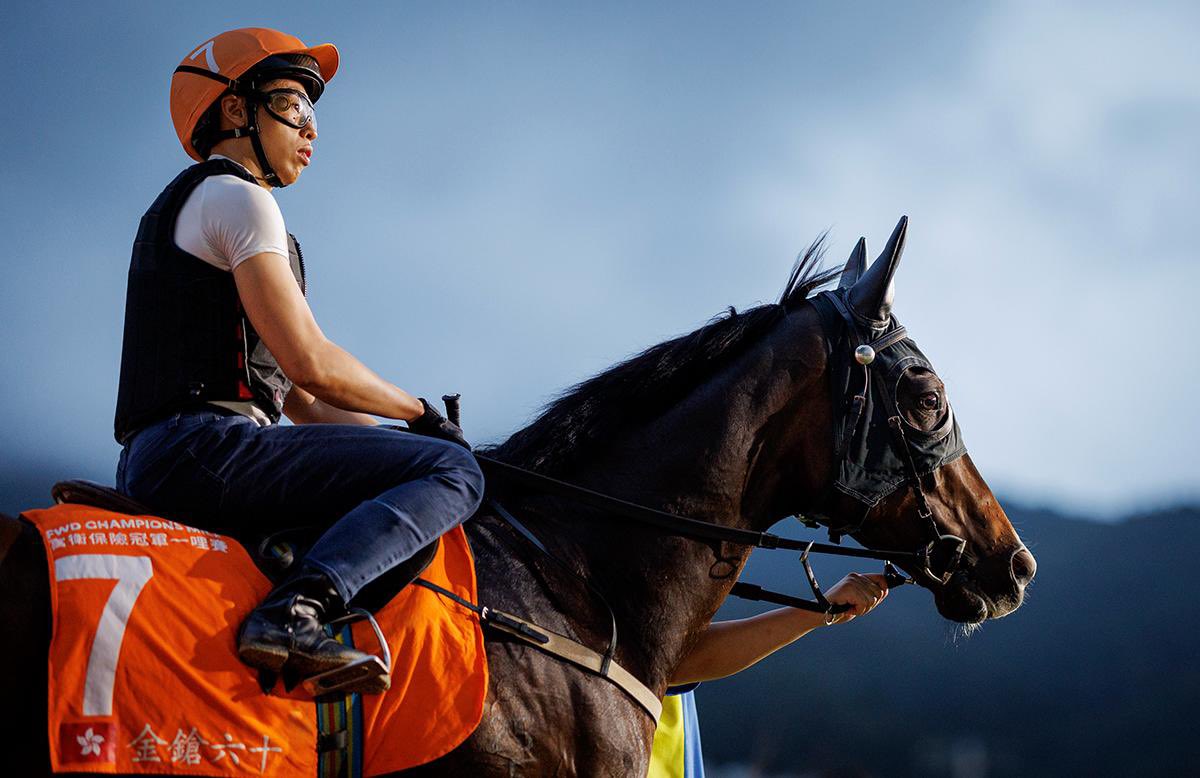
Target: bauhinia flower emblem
{"points": [[90, 742]]}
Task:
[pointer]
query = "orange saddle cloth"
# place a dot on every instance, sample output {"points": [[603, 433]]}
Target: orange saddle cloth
{"points": [[144, 677]]}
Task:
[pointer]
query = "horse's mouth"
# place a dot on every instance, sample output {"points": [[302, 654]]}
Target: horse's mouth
{"points": [[971, 597], [959, 600]]}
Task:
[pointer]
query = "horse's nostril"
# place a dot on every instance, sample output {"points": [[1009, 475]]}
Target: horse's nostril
{"points": [[1024, 567]]}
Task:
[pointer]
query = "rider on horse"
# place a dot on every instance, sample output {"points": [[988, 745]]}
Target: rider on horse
{"points": [[219, 343]]}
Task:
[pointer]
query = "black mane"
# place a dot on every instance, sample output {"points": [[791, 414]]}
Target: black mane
{"points": [[645, 385]]}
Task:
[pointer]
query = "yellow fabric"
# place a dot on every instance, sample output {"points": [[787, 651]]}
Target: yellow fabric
{"points": [[667, 756]]}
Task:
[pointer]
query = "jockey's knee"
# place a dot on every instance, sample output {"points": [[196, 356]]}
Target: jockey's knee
{"points": [[458, 470]]}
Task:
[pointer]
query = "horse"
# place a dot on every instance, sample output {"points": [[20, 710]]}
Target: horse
{"points": [[740, 424]]}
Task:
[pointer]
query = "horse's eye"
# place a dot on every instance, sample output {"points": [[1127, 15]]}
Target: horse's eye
{"points": [[930, 401]]}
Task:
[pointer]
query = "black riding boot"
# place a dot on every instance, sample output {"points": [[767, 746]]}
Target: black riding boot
{"points": [[287, 628]]}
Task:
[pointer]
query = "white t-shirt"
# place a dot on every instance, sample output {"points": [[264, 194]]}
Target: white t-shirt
{"points": [[225, 221]]}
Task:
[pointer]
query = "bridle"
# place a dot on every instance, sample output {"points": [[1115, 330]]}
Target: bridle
{"points": [[933, 563]]}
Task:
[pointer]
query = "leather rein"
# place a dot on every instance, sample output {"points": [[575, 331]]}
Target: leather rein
{"points": [[708, 532]]}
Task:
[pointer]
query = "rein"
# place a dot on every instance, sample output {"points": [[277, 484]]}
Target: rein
{"points": [[934, 562], [704, 531]]}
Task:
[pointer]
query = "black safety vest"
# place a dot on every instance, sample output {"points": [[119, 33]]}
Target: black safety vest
{"points": [[187, 339]]}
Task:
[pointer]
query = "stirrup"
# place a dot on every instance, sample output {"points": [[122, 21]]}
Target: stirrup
{"points": [[371, 672]]}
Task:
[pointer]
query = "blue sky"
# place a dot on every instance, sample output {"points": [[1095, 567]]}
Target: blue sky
{"points": [[506, 198]]}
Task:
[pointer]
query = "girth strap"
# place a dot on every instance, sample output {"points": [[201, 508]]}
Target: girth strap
{"points": [[560, 646], [340, 729]]}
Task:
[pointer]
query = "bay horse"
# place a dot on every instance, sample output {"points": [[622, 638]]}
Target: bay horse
{"points": [[737, 424]]}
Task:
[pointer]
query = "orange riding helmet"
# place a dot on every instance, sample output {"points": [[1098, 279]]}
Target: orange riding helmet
{"points": [[216, 65]]}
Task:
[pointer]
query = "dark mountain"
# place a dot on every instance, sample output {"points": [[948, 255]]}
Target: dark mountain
{"points": [[1097, 674]]}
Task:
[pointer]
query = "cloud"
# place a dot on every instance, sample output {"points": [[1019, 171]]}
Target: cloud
{"points": [[504, 202], [1051, 178]]}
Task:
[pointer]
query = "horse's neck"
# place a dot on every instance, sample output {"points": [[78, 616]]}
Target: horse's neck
{"points": [[717, 456]]}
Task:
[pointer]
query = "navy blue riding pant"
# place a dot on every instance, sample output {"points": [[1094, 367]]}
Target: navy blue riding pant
{"points": [[382, 494]]}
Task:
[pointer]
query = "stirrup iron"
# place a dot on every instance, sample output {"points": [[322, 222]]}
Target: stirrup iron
{"points": [[370, 672]]}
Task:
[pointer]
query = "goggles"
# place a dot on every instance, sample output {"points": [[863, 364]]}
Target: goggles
{"points": [[290, 106]]}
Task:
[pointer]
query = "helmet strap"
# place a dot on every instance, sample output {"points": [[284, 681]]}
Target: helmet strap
{"points": [[251, 131], [255, 141]]}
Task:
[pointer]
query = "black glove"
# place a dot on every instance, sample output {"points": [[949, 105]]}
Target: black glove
{"points": [[435, 425]]}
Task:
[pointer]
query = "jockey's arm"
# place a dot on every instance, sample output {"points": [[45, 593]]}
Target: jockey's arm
{"points": [[728, 647], [315, 364], [302, 408]]}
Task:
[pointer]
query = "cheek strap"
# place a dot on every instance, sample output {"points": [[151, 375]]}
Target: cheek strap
{"points": [[251, 131]]}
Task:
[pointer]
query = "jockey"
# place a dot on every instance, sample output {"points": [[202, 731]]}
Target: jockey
{"points": [[219, 343]]}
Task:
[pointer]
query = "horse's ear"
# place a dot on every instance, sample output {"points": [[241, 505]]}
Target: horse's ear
{"points": [[873, 293], [855, 265]]}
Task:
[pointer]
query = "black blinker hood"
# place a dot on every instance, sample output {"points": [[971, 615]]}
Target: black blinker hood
{"points": [[870, 433]]}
